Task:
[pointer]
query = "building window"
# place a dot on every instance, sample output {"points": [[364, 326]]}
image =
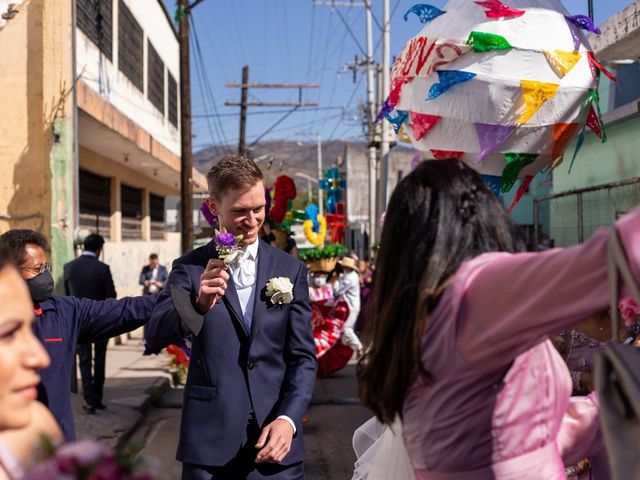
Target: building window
{"points": [[173, 101], [95, 203], [131, 47], [95, 19], [155, 79], [156, 212], [131, 204], [629, 89]]}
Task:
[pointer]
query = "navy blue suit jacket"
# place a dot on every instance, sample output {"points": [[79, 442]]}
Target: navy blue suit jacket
{"points": [[64, 322], [270, 370], [88, 277]]}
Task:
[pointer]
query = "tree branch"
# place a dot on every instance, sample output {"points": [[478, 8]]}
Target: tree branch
{"points": [[195, 4]]}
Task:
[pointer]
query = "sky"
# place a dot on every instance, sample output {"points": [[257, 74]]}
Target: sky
{"points": [[294, 41]]}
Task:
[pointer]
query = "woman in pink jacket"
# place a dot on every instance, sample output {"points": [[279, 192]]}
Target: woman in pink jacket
{"points": [[460, 347]]}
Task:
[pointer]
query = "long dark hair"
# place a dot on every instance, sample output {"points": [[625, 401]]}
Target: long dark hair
{"points": [[439, 216]]}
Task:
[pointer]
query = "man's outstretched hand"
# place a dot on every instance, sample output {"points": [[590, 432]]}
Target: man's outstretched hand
{"points": [[274, 442], [213, 285]]}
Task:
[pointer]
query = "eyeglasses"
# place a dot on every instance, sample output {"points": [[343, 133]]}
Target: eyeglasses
{"points": [[38, 270]]}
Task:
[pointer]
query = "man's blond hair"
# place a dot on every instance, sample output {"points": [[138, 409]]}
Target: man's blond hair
{"points": [[232, 172]]}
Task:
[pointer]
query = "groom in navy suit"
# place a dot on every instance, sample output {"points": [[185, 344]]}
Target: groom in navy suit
{"points": [[253, 363]]}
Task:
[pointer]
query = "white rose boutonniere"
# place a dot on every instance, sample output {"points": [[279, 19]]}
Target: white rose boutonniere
{"points": [[280, 290]]}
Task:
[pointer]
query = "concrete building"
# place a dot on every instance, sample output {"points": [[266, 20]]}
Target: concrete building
{"points": [[92, 143]]}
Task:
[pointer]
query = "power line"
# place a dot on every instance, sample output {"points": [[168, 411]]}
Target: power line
{"points": [[263, 112], [207, 84]]}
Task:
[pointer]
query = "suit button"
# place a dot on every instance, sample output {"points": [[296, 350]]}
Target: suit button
{"points": [[251, 365]]}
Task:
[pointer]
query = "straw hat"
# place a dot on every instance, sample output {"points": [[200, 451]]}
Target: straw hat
{"points": [[348, 262]]}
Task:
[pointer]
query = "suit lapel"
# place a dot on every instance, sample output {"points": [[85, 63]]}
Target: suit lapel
{"points": [[265, 267], [230, 298]]}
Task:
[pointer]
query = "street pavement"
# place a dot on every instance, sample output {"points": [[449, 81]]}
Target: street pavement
{"points": [[143, 409]]}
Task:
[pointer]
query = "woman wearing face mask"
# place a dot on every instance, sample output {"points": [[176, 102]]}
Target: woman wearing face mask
{"points": [[328, 317], [22, 419]]}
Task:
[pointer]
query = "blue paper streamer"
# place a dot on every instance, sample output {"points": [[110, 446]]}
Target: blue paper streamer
{"points": [[493, 183], [398, 119], [425, 13], [446, 80], [311, 213]]}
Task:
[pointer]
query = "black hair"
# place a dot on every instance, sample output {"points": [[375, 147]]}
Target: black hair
{"points": [[153, 256], [15, 242], [439, 216], [93, 243]]}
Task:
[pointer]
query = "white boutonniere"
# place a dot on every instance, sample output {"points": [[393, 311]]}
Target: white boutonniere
{"points": [[280, 290]]}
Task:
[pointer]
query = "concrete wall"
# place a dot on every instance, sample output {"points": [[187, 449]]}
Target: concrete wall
{"points": [[104, 76], [36, 131], [126, 259]]}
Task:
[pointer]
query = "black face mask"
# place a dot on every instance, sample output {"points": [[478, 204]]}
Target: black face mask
{"points": [[41, 287]]}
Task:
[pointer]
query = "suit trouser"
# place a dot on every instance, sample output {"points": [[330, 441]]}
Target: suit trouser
{"points": [[92, 378], [243, 465]]}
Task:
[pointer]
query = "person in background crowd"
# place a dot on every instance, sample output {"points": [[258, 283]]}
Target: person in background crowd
{"points": [[459, 347], [348, 289], [23, 420], [88, 277], [153, 277], [266, 232], [64, 322]]}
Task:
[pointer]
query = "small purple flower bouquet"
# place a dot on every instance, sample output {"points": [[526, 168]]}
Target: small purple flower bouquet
{"points": [[85, 460], [227, 245]]}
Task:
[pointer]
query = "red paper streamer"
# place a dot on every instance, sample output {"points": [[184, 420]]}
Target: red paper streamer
{"points": [[496, 9], [422, 123], [446, 154], [285, 190], [595, 65], [593, 122], [396, 89], [522, 189]]}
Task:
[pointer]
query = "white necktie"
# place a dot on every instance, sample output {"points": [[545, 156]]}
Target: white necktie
{"points": [[244, 274]]}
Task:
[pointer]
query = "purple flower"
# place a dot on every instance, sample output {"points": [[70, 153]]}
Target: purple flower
{"points": [[226, 239]]}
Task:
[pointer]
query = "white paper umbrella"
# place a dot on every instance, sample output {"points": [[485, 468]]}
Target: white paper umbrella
{"points": [[502, 85]]}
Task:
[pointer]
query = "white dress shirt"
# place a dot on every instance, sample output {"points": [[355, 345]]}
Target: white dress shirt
{"points": [[244, 274]]}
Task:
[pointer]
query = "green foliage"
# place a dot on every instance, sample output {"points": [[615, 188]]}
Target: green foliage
{"points": [[328, 251]]}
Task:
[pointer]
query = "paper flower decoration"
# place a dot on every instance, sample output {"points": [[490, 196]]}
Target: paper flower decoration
{"points": [[502, 85]]}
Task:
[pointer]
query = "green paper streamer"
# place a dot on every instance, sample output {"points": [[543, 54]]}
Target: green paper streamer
{"points": [[515, 163], [487, 42]]}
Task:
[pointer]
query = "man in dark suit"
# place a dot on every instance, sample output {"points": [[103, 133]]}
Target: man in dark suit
{"points": [[153, 277], [253, 363], [88, 277]]}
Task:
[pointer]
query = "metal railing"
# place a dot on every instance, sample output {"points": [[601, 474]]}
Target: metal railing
{"points": [[570, 217]]}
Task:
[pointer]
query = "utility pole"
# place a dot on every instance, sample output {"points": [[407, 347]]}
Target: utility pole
{"points": [[386, 72], [320, 196], [370, 120], [590, 8], [244, 89], [186, 160], [244, 104]]}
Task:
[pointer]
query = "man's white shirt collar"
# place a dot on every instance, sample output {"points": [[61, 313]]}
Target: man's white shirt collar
{"points": [[89, 254], [252, 250]]}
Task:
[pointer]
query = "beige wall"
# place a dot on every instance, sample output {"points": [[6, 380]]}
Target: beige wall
{"points": [[101, 165], [25, 135], [126, 259]]}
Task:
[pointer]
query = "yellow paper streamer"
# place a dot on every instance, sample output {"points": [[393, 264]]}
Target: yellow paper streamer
{"points": [[316, 239], [402, 136], [535, 95], [561, 61]]}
